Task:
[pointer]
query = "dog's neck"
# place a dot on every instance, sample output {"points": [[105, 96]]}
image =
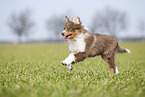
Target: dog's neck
{"points": [[78, 44]]}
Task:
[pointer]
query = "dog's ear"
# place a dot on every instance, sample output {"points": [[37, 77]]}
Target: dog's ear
{"points": [[76, 20], [66, 19]]}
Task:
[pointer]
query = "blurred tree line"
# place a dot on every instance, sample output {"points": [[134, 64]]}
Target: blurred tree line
{"points": [[21, 24], [109, 20]]}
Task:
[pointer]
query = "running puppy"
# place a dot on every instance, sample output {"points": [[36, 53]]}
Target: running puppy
{"points": [[83, 44]]}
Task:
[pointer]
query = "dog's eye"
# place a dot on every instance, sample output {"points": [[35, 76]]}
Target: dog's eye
{"points": [[68, 27], [64, 28]]}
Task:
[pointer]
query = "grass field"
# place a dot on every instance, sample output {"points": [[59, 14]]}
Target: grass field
{"points": [[35, 70]]}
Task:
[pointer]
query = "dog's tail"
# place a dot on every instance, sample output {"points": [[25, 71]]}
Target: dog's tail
{"points": [[122, 50]]}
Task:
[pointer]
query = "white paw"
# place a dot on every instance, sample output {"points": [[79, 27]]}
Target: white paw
{"points": [[116, 70], [63, 62], [66, 63], [70, 67]]}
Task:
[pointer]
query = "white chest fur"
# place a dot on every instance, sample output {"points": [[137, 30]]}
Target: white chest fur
{"points": [[78, 44]]}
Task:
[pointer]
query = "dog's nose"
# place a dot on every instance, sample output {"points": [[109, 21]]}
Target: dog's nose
{"points": [[62, 33]]}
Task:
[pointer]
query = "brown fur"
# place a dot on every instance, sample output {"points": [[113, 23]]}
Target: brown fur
{"points": [[104, 45], [80, 56]]}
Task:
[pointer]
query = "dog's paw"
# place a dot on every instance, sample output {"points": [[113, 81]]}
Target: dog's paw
{"points": [[63, 63], [66, 62], [70, 67]]}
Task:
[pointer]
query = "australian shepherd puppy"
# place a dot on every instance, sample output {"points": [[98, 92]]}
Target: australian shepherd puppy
{"points": [[83, 44]]}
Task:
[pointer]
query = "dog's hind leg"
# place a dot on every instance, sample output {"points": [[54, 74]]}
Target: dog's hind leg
{"points": [[111, 64], [116, 70]]}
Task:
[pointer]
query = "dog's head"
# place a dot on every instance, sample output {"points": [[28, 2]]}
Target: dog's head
{"points": [[71, 28]]}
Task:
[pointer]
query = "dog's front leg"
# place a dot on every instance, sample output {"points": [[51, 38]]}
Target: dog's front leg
{"points": [[73, 58], [80, 56], [69, 60]]}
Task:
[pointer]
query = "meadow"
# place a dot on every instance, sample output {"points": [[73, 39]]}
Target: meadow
{"points": [[35, 70]]}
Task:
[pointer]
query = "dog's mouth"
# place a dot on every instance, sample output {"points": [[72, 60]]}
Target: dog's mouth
{"points": [[68, 37]]}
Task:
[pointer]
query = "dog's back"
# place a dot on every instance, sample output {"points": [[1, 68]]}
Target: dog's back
{"points": [[99, 44]]}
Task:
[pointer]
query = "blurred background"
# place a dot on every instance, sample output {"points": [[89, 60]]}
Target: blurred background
{"points": [[23, 21]]}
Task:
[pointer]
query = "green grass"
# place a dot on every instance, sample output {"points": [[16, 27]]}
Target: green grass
{"points": [[35, 70]]}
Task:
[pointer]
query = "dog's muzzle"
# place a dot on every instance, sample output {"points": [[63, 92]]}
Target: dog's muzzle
{"points": [[62, 33]]}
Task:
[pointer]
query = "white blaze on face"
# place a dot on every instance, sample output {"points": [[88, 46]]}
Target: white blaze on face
{"points": [[63, 31]]}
